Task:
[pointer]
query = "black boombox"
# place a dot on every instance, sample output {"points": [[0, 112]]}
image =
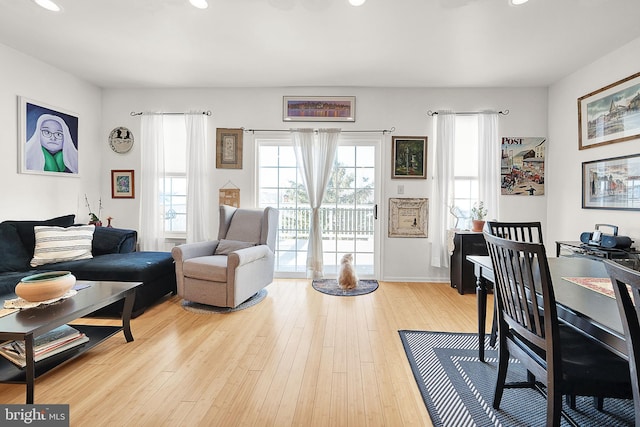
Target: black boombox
{"points": [[607, 241]]}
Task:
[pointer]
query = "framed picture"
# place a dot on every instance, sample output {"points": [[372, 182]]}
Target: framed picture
{"points": [[409, 157], [612, 183], [228, 148], [47, 139], [522, 166], [610, 114], [122, 184], [408, 217], [319, 109]]}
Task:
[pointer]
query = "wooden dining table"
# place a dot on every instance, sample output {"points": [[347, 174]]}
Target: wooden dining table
{"points": [[592, 313]]}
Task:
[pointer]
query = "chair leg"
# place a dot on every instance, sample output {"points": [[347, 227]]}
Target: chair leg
{"points": [[503, 364], [571, 401], [598, 402], [554, 407]]}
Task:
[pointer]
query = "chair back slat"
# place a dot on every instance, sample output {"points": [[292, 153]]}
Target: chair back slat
{"points": [[524, 293], [626, 286], [519, 231]]}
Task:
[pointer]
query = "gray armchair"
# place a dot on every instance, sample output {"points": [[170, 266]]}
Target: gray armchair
{"points": [[228, 271]]}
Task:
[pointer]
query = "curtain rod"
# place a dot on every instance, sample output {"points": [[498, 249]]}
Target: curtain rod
{"points": [[133, 113], [462, 113], [383, 131]]}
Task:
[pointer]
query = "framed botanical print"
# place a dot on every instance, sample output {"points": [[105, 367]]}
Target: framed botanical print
{"points": [[48, 139], [228, 148]]}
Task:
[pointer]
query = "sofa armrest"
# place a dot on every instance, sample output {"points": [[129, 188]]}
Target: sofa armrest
{"points": [[186, 251], [109, 240]]}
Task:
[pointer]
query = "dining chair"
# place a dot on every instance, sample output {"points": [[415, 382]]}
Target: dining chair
{"points": [[555, 355], [520, 232], [626, 286]]}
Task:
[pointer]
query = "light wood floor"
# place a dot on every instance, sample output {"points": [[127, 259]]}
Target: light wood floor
{"points": [[297, 358]]}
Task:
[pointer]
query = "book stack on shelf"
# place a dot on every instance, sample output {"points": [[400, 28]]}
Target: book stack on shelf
{"points": [[53, 342]]}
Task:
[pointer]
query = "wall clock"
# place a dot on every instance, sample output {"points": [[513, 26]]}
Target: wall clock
{"points": [[121, 140]]}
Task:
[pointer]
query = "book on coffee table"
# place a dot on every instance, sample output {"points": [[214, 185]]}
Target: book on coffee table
{"points": [[53, 342]]}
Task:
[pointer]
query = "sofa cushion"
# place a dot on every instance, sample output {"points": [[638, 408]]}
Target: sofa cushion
{"points": [[109, 240], [25, 229], [129, 267], [13, 255], [58, 244], [225, 247]]}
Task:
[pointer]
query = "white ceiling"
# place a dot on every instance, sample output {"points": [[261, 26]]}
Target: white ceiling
{"points": [[274, 43]]}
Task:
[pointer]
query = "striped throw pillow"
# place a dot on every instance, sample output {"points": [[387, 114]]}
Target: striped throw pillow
{"points": [[57, 244]]}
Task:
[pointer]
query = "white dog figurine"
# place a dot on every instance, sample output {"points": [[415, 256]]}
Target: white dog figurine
{"points": [[347, 278]]}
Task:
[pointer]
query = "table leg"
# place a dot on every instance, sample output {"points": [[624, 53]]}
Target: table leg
{"points": [[126, 314], [481, 295], [30, 369]]}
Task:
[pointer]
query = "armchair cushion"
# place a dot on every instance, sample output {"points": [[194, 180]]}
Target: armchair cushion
{"points": [[225, 247], [211, 268]]}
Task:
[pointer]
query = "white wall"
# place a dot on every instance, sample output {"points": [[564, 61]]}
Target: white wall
{"points": [[376, 108], [28, 196], [567, 219]]}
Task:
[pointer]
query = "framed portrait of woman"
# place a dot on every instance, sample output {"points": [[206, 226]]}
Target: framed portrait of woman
{"points": [[47, 139]]}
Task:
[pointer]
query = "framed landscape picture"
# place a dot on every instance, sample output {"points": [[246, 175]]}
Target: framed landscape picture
{"points": [[610, 114], [48, 139], [122, 184], [319, 109], [409, 157], [611, 183]]}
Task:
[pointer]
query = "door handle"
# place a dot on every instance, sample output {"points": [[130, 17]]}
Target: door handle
{"points": [[375, 211]]}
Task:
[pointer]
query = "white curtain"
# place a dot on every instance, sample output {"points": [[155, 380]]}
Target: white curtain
{"points": [[198, 188], [489, 163], [152, 174], [442, 187], [315, 153]]}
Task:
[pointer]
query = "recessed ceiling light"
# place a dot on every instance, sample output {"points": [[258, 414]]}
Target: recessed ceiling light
{"points": [[200, 4], [49, 5], [517, 2], [356, 2]]}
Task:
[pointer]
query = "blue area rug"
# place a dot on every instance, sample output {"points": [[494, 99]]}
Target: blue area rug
{"points": [[330, 287], [458, 389]]}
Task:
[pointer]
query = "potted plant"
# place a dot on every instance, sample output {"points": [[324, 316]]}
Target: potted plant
{"points": [[478, 214]]}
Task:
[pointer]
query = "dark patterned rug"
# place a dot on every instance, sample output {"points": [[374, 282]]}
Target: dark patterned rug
{"points": [[330, 287], [195, 307], [458, 389]]}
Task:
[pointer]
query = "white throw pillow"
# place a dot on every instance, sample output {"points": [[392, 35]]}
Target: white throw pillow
{"points": [[57, 244]]}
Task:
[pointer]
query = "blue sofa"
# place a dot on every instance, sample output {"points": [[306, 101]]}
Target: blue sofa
{"points": [[114, 258]]}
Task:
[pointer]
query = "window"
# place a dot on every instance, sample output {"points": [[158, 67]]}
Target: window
{"points": [[173, 195], [465, 168]]}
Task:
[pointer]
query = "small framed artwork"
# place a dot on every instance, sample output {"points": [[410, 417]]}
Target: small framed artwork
{"points": [[409, 156], [408, 217], [122, 184], [319, 109], [612, 183], [228, 148], [610, 114], [48, 139]]}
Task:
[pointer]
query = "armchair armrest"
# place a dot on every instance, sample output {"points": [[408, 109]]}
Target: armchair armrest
{"points": [[186, 251], [247, 255]]}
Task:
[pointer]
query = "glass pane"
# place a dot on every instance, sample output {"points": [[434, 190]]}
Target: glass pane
{"points": [[268, 177], [365, 177], [346, 156], [287, 157], [366, 156], [268, 156]]}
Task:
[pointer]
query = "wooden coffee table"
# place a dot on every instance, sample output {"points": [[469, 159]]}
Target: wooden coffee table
{"points": [[29, 323]]}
